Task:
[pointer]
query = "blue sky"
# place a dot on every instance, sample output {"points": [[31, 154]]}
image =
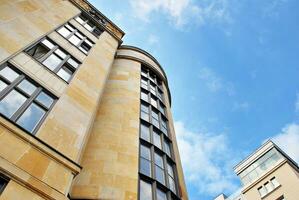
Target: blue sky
{"points": [[233, 69]]}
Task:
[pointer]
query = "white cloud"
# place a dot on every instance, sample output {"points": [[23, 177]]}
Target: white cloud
{"points": [[214, 82], [207, 160], [241, 106], [288, 140], [181, 12], [153, 39]]}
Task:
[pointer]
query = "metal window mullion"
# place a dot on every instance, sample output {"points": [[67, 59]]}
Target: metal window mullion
{"points": [[71, 34], [153, 172], [25, 105], [11, 86], [44, 57], [82, 40], [166, 170], [154, 186], [61, 64]]}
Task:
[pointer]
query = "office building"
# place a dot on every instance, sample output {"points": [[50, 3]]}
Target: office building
{"points": [[82, 115]]}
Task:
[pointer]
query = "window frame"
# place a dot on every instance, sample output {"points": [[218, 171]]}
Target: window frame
{"points": [[89, 20], [72, 33], [30, 99], [63, 63]]}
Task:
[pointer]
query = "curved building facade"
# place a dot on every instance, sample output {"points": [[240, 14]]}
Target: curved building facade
{"points": [[81, 116]]}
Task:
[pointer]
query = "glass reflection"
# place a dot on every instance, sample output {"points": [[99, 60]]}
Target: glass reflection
{"points": [[64, 32], [9, 74], [161, 195], [31, 117], [145, 191], [2, 85], [65, 73], [52, 62], [27, 87], [45, 99], [11, 103]]}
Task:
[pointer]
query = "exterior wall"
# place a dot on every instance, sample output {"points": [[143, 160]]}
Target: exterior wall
{"points": [[22, 22], [286, 176], [181, 179], [37, 170], [110, 161]]}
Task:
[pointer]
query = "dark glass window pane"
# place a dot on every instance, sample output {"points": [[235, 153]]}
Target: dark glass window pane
{"points": [[152, 78], [145, 152], [52, 62], [157, 140], [3, 85], [144, 132], [65, 73], [144, 108], [159, 160], [153, 89], [170, 170], [38, 51], [45, 99], [160, 176], [154, 102], [144, 96], [171, 184], [161, 195], [97, 31], [145, 191], [9, 74], [162, 109], [145, 166], [3, 183], [31, 117], [143, 73], [167, 148], [144, 116], [27, 87], [85, 46], [11, 103]]}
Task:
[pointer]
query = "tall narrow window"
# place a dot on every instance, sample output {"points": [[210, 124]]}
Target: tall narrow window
{"points": [[145, 160], [145, 132], [167, 148], [144, 112], [54, 58], [145, 192], [144, 95], [157, 139], [89, 25], [23, 101], [75, 37], [170, 174], [155, 118], [144, 83], [164, 125], [159, 168], [274, 182], [262, 191], [153, 88]]}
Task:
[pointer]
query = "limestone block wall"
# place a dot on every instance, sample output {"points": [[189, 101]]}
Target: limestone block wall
{"points": [[110, 161], [22, 22]]}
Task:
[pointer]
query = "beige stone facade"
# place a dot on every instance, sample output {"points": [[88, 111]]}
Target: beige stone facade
{"points": [[267, 174], [86, 146]]}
